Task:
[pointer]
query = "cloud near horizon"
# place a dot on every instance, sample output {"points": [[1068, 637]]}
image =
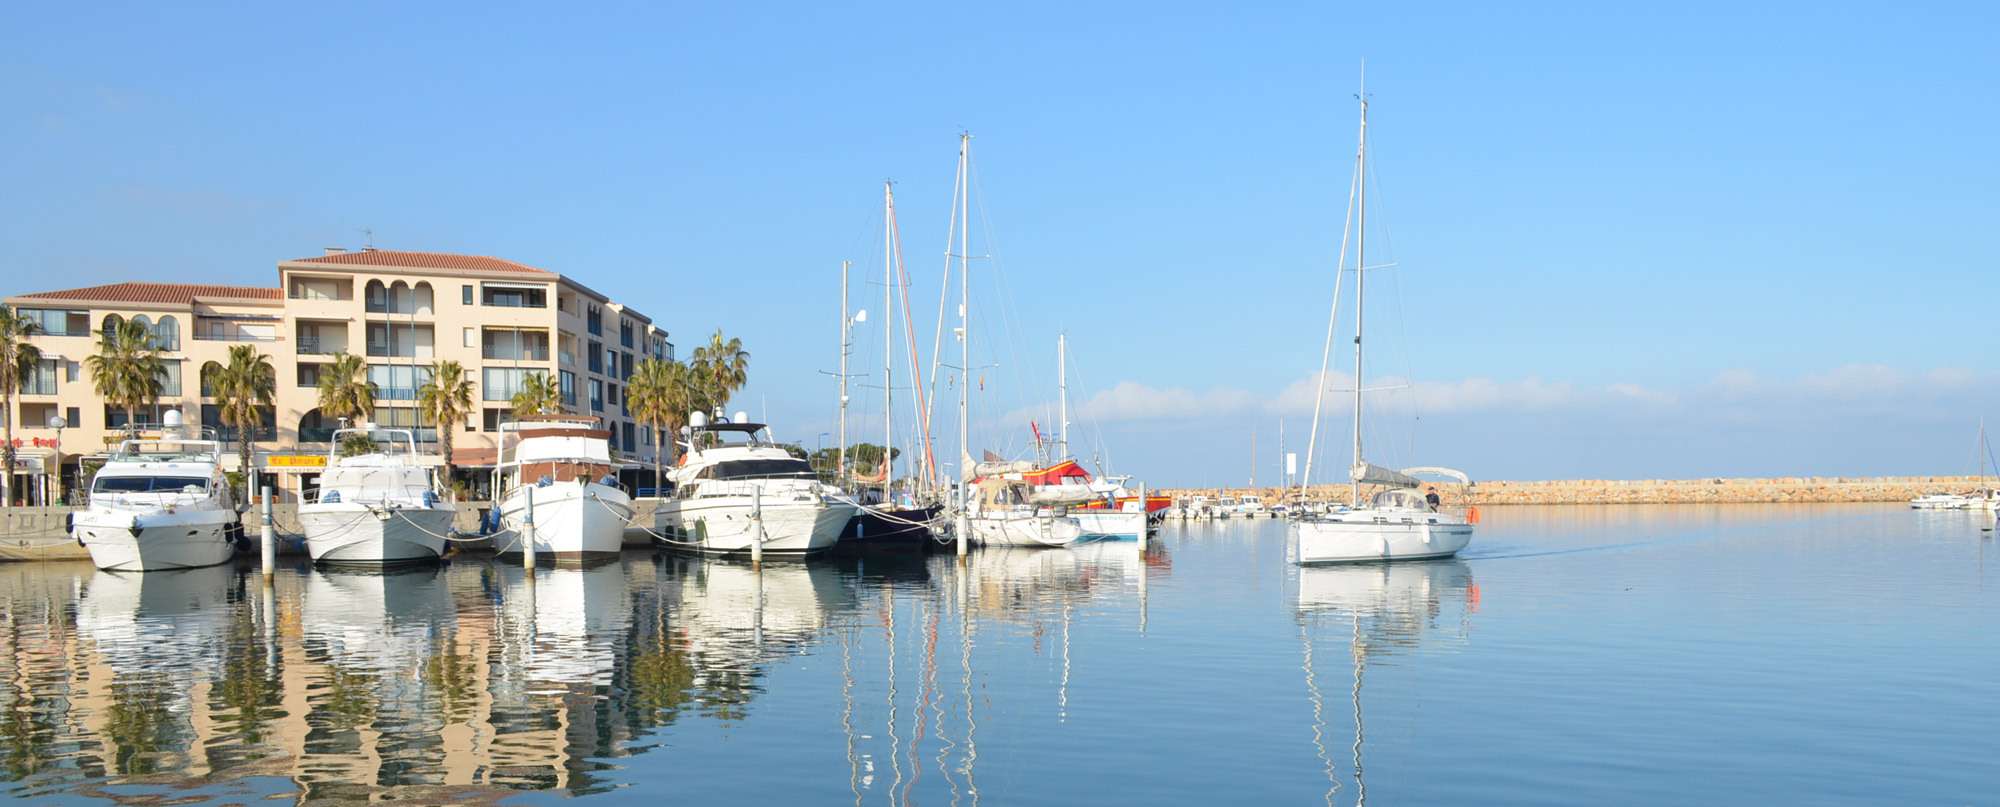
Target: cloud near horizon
{"points": [[1732, 395]]}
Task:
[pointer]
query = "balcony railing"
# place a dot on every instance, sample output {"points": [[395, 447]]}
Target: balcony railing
{"points": [[325, 434], [341, 298], [317, 346], [567, 357], [510, 352]]}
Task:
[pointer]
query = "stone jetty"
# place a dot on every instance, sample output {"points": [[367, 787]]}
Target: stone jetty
{"points": [[1673, 491]]}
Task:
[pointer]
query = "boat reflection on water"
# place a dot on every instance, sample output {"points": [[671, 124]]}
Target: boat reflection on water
{"points": [[460, 684], [1374, 612]]}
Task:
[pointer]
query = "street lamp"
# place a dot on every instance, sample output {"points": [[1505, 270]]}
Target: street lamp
{"points": [[819, 451], [57, 422]]}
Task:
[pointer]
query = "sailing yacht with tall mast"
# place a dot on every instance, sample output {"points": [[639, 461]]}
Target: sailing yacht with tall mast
{"points": [[882, 520], [991, 510], [1397, 523]]}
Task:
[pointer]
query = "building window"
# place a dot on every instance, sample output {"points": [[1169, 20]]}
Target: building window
{"points": [[73, 416], [41, 381], [596, 395], [267, 424], [492, 418], [502, 383], [170, 380], [631, 446], [57, 322], [468, 295], [610, 361], [308, 377], [625, 333], [506, 297], [471, 334], [397, 382], [611, 394], [596, 358], [593, 321], [568, 381]]}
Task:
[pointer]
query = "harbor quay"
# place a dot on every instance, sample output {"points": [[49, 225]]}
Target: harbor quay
{"points": [[1660, 491]]}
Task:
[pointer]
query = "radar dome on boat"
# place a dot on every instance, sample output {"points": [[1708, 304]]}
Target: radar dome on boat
{"points": [[172, 419], [740, 417], [698, 419]]}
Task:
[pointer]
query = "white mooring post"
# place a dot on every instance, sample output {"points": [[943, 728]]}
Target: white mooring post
{"points": [[757, 524], [270, 536], [528, 539], [1142, 529]]}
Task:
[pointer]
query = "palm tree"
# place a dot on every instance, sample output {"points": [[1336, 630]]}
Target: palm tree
{"points": [[127, 370], [723, 368], [243, 385], [18, 358], [660, 394], [445, 399], [344, 388], [541, 394]]}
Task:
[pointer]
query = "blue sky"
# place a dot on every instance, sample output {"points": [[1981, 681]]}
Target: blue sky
{"points": [[1633, 241]]}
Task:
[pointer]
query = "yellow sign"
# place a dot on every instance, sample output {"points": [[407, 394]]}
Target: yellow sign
{"points": [[296, 461]]}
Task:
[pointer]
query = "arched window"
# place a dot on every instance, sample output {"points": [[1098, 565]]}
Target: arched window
{"points": [[142, 319], [208, 372], [167, 334], [111, 323], [399, 298], [423, 298], [378, 297]]}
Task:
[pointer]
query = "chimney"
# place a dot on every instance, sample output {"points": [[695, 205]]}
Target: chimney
{"points": [[336, 250]]}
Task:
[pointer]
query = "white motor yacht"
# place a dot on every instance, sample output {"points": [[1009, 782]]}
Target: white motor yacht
{"points": [[558, 470], [734, 489], [160, 502], [378, 507]]}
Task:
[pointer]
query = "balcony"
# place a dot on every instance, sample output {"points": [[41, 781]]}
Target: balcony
{"points": [[325, 434], [332, 298], [319, 346], [567, 357], [512, 353]]}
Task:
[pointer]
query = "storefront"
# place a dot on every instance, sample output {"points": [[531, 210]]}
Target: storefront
{"points": [[37, 478], [295, 477]]}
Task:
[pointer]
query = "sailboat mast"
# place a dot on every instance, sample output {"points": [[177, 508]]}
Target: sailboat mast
{"points": [[846, 343], [1360, 286], [1062, 398], [964, 338], [888, 334]]}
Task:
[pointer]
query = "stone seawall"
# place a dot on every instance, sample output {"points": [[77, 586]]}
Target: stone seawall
{"points": [[1671, 491]]}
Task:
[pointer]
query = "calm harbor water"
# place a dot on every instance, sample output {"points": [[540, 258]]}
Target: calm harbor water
{"points": [[1826, 654]]}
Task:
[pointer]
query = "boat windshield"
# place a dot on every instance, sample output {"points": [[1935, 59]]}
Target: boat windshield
{"points": [[757, 469], [150, 484], [1399, 499]]}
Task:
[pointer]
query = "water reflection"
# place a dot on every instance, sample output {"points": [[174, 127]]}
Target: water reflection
{"points": [[467, 683], [1372, 612]]}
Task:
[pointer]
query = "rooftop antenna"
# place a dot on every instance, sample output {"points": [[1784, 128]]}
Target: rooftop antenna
{"points": [[368, 234]]}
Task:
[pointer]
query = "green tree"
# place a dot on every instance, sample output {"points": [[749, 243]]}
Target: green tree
{"points": [[127, 370], [445, 399], [868, 456], [661, 394], [541, 394], [344, 388], [241, 387], [723, 366], [18, 358]]}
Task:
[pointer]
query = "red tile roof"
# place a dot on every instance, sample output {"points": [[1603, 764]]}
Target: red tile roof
{"points": [[424, 260], [181, 293]]}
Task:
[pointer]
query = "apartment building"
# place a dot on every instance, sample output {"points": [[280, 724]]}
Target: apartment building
{"points": [[401, 311]]}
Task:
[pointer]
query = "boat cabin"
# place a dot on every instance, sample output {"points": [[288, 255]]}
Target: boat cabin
{"points": [[561, 448]]}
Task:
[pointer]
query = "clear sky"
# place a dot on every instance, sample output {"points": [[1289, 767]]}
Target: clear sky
{"points": [[1633, 240]]}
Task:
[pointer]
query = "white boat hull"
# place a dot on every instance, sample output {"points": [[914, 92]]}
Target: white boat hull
{"points": [[122, 541], [1109, 523], [1357, 537], [1024, 530], [723, 524], [357, 534], [574, 520]]}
